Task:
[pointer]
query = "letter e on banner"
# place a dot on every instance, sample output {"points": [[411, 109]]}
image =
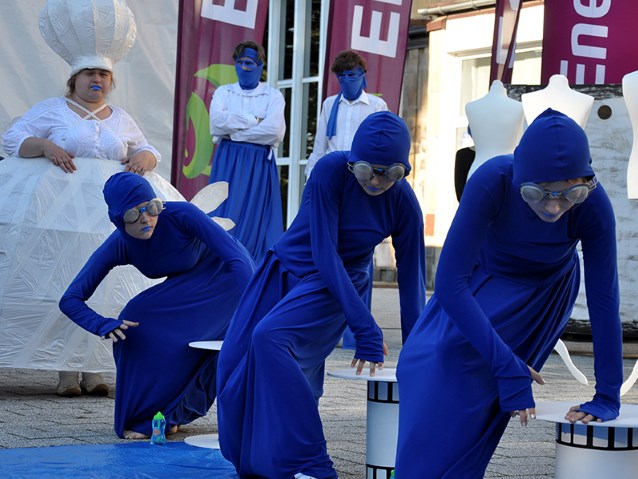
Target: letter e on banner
{"points": [[378, 30], [227, 13], [374, 43], [589, 41]]}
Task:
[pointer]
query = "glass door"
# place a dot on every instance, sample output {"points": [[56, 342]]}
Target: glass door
{"points": [[296, 48]]}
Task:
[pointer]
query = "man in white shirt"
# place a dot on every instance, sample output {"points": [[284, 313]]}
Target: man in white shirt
{"points": [[342, 114]]}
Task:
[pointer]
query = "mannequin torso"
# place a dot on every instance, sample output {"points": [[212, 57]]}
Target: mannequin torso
{"points": [[630, 94], [558, 96], [496, 122]]}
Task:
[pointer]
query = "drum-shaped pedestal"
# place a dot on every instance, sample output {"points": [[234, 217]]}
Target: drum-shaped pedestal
{"points": [[382, 420], [595, 450]]}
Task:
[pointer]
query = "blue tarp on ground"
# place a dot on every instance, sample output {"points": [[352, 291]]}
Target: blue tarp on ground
{"points": [[175, 460]]}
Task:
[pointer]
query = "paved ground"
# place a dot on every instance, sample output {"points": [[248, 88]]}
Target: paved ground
{"points": [[31, 415]]}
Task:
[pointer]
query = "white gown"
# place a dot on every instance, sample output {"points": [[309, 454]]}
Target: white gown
{"points": [[50, 223]]}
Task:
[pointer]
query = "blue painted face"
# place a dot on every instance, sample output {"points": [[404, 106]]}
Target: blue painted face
{"points": [[248, 68], [123, 191], [144, 226], [352, 83]]}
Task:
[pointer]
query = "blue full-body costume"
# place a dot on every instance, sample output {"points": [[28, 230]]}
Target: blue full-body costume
{"points": [[296, 307], [206, 272], [506, 284]]}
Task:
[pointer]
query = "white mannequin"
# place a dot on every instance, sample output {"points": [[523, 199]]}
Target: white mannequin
{"points": [[630, 94], [496, 124], [558, 96]]}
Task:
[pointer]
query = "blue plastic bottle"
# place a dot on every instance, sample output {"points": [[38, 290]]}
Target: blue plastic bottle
{"points": [[159, 425]]}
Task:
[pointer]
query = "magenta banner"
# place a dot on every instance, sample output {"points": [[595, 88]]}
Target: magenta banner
{"points": [[208, 31], [504, 43], [378, 31], [590, 41]]}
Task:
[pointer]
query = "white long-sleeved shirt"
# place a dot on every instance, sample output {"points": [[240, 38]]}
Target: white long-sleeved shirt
{"points": [[112, 138], [349, 117], [253, 116]]}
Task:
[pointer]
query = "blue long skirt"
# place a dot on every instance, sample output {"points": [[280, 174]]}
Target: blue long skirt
{"points": [[156, 369], [254, 194], [271, 371], [450, 421]]}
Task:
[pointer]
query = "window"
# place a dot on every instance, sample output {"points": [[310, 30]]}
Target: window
{"points": [[296, 54]]}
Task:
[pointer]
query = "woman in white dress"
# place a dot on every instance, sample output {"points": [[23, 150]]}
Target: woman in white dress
{"points": [[52, 214], [81, 124]]}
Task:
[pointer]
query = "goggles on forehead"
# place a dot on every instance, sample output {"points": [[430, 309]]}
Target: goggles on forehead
{"points": [[364, 171], [533, 193], [152, 208]]}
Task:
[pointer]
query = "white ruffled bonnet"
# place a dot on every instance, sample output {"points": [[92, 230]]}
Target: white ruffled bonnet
{"points": [[88, 33]]}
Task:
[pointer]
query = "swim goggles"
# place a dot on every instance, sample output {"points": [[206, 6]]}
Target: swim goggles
{"points": [[152, 208], [364, 171], [533, 193]]}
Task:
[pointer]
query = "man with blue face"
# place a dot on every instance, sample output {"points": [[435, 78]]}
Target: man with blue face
{"points": [[247, 124], [342, 114]]}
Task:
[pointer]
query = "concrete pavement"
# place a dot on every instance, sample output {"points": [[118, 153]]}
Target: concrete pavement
{"points": [[31, 415]]}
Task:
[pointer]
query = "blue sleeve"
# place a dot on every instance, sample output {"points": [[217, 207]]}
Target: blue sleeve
{"points": [[326, 193], [73, 302], [480, 203], [603, 301], [409, 247], [236, 258]]}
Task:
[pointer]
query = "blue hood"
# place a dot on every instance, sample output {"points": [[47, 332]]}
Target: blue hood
{"points": [[553, 148], [124, 191], [382, 139]]}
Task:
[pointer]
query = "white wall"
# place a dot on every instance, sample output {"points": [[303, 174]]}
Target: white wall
{"points": [[30, 71], [610, 140], [463, 37]]}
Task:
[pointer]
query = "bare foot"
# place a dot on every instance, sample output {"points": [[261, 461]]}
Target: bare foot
{"points": [[135, 435], [172, 430]]}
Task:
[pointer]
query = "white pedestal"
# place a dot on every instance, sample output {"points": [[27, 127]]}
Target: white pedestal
{"points": [[211, 345], [382, 419], [209, 441], [595, 450]]}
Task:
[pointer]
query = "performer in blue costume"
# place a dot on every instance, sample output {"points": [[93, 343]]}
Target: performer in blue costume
{"points": [[207, 271], [308, 287], [505, 286], [341, 115], [247, 124]]}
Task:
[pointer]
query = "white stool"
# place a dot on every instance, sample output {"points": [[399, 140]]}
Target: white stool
{"points": [[208, 441], [382, 419], [594, 450]]}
